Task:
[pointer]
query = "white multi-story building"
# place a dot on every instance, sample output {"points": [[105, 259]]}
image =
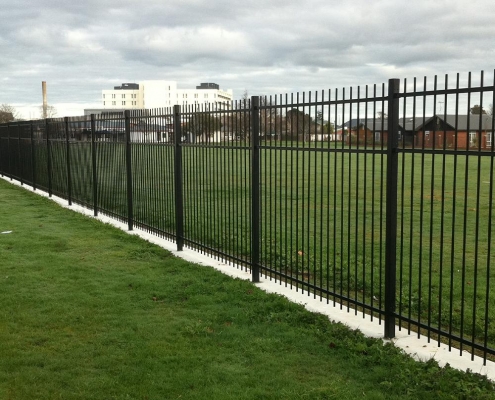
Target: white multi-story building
{"points": [[158, 94]]}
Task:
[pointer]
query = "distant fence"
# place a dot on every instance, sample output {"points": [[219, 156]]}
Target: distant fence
{"points": [[387, 213]]}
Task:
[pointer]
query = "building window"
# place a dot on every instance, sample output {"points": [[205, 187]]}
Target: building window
{"points": [[378, 135], [123, 103], [489, 140], [113, 103], [427, 136], [113, 96], [103, 103], [206, 96], [103, 96], [123, 96], [472, 139]]}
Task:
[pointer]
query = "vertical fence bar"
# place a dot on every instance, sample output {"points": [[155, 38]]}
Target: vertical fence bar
{"points": [[391, 212], [488, 275], [69, 178], [128, 162], [93, 163], [477, 221], [9, 170], [33, 157], [1, 158], [255, 189], [48, 157], [179, 199], [19, 157]]}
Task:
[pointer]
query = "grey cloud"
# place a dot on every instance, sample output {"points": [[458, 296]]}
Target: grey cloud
{"points": [[263, 46]]}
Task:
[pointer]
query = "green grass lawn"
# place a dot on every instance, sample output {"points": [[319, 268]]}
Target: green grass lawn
{"points": [[322, 218], [88, 312]]}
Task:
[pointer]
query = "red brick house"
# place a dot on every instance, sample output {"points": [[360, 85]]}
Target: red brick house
{"points": [[462, 132], [368, 132]]}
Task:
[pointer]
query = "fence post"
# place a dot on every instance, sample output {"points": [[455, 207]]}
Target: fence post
{"points": [[69, 178], [255, 189], [391, 213], [19, 156], [33, 157], [128, 162], [49, 157], [2, 162], [9, 161], [179, 200], [93, 162], [1, 157]]}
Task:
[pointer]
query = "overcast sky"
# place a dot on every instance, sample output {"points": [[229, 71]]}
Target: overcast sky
{"points": [[265, 47]]}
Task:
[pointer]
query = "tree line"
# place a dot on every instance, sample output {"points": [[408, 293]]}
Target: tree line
{"points": [[294, 124], [8, 113]]}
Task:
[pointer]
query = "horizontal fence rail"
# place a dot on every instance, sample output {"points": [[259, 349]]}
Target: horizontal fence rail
{"points": [[378, 199]]}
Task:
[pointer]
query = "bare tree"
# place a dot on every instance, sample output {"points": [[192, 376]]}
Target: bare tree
{"points": [[298, 124], [203, 125], [239, 121], [51, 112], [268, 117], [8, 113], [245, 96]]}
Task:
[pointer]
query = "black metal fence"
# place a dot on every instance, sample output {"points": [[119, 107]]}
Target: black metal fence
{"points": [[377, 199]]}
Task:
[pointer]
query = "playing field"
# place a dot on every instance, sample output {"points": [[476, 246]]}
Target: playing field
{"points": [[322, 220]]}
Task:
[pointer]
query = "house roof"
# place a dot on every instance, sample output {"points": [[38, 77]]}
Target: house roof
{"points": [[370, 123], [413, 123], [469, 122], [462, 122], [376, 124]]}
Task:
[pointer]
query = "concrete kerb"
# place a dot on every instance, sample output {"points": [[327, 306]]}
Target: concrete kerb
{"points": [[420, 348]]}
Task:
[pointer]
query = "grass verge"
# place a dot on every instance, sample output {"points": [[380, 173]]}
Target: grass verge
{"points": [[88, 312]]}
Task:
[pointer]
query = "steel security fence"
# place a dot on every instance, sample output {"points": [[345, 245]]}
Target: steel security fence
{"points": [[79, 160], [445, 212], [109, 166], [215, 150], [323, 214], [152, 172], [378, 198]]}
